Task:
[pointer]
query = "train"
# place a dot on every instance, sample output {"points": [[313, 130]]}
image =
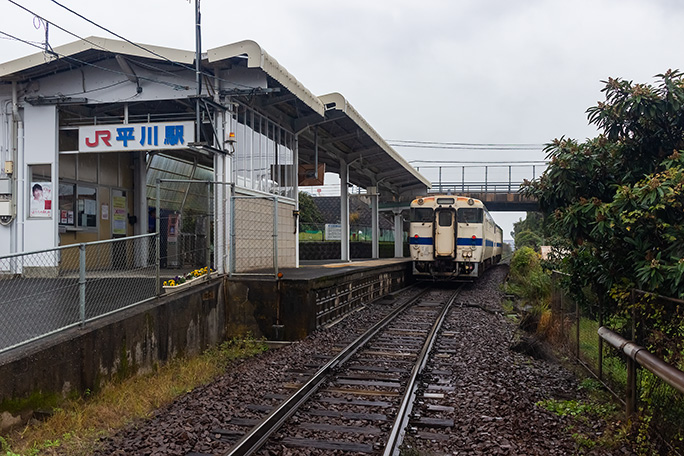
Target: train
{"points": [[453, 237]]}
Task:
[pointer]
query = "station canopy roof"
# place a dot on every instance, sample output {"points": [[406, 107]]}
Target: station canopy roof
{"points": [[328, 124]]}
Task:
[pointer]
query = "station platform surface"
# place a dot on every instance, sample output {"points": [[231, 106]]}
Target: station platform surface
{"points": [[321, 268]]}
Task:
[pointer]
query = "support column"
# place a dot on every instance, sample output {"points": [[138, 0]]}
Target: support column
{"points": [[398, 234], [295, 160], [144, 248], [344, 210], [375, 229]]}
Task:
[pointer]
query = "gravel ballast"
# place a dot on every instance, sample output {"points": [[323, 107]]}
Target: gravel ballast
{"points": [[494, 399]]}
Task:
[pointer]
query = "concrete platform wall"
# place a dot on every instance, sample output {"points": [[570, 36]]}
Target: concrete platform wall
{"points": [[303, 305], [139, 339], [133, 341]]}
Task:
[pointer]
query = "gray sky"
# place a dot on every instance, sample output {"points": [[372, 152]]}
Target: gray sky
{"points": [[473, 71]]}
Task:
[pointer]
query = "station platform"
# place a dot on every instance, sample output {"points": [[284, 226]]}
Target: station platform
{"points": [[322, 268], [311, 296]]}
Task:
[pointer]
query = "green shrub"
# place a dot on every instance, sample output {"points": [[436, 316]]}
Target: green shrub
{"points": [[523, 262]]}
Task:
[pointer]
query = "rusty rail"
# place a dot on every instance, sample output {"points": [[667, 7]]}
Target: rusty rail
{"points": [[638, 354]]}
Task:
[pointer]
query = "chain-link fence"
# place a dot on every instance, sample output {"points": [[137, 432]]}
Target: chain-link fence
{"points": [[254, 234], [658, 325], [50, 290], [576, 319], [575, 332], [185, 222], [316, 232]]}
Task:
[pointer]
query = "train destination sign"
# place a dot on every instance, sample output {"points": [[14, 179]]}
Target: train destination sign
{"points": [[135, 136]]}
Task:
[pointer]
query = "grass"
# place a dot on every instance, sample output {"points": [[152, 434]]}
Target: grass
{"points": [[77, 424], [613, 366]]}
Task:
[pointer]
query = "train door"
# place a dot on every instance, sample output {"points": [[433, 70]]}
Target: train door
{"points": [[445, 233]]}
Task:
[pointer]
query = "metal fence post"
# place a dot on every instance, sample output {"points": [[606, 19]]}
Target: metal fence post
{"points": [[509, 178], [577, 331], [440, 179], [82, 282], [600, 343], [158, 237], [209, 221], [486, 178], [463, 179], [233, 243], [631, 392], [275, 235]]}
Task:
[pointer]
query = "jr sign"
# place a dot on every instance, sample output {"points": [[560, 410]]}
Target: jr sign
{"points": [[136, 136]]}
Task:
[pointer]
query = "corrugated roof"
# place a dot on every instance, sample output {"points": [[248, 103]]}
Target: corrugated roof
{"points": [[18, 67], [258, 58], [338, 102]]}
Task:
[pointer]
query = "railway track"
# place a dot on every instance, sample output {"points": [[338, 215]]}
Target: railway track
{"points": [[361, 400]]}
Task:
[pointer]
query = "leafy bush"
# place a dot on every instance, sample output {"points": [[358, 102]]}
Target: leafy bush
{"points": [[528, 280]]}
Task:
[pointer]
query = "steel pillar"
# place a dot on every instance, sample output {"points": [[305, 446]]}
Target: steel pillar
{"points": [[344, 210], [398, 235]]}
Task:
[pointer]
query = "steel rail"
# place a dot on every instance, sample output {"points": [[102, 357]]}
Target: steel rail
{"points": [[252, 441], [398, 428]]}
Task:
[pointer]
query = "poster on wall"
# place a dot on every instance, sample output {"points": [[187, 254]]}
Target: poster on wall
{"points": [[41, 200], [119, 215]]}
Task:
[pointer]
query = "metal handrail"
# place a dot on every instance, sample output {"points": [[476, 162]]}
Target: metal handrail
{"points": [[73, 246], [666, 372]]}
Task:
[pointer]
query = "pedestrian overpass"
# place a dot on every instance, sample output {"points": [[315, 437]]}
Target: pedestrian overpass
{"points": [[495, 184]]}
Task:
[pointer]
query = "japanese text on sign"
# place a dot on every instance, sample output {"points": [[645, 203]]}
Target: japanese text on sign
{"points": [[141, 136]]}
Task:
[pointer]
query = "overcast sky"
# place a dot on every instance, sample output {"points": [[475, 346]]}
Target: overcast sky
{"points": [[473, 71]]}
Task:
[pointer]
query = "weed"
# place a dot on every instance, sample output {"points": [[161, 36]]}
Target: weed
{"points": [[583, 441], [77, 424], [576, 409]]}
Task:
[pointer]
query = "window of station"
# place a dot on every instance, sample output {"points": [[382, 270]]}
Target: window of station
{"points": [[470, 215], [78, 206], [422, 214], [264, 157]]}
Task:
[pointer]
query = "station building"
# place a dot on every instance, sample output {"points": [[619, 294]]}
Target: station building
{"points": [[103, 139]]}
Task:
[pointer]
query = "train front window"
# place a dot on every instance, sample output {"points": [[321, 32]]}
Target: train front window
{"points": [[470, 215], [422, 214], [444, 218]]}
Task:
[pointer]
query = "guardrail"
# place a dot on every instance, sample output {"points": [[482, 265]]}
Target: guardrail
{"points": [[54, 289], [475, 187], [578, 329], [638, 354]]}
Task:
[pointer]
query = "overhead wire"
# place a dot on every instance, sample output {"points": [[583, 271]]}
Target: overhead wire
{"points": [[82, 62], [85, 39], [203, 73], [464, 145]]}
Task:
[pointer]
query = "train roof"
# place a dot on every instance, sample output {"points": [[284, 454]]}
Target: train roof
{"points": [[433, 200]]}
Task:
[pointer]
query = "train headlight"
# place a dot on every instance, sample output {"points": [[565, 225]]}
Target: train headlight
{"points": [[470, 202], [421, 201]]}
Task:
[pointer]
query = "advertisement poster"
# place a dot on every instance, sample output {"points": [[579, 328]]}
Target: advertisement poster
{"points": [[119, 215], [41, 200]]}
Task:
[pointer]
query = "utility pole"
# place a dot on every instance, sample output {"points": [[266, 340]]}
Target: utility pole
{"points": [[198, 68]]}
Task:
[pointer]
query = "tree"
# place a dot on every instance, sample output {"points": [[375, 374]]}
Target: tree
{"points": [[616, 201], [309, 214], [529, 232]]}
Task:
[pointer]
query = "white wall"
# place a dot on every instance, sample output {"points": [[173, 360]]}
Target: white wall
{"points": [[40, 147]]}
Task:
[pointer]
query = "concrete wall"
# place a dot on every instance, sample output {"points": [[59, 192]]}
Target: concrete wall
{"points": [[132, 341], [255, 306]]}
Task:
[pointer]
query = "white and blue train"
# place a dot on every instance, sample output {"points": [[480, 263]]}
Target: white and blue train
{"points": [[453, 237]]}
